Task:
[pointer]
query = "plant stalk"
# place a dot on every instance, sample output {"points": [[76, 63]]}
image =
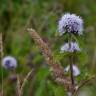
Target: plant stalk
{"points": [[71, 65]]}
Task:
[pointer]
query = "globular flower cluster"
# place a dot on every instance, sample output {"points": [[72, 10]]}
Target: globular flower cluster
{"points": [[70, 47], [76, 70], [70, 23], [9, 62]]}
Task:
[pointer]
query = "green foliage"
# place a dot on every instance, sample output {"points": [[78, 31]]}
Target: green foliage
{"points": [[43, 15]]}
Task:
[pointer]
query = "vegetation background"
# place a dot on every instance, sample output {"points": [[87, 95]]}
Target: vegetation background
{"points": [[43, 15]]}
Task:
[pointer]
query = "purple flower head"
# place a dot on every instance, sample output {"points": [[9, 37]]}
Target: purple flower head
{"points": [[9, 62], [70, 23]]}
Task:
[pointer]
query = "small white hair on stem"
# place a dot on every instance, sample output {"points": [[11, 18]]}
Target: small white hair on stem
{"points": [[9, 62], [70, 23]]}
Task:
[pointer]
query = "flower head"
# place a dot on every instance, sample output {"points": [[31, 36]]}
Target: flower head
{"points": [[70, 23], [9, 62], [76, 71], [70, 48]]}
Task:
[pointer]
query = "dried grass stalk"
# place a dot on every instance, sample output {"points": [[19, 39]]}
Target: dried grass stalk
{"points": [[57, 70], [1, 56]]}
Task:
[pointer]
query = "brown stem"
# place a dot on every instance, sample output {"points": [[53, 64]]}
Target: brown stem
{"points": [[71, 72], [18, 86], [83, 84], [71, 65]]}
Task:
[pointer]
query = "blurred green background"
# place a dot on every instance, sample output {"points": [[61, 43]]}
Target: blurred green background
{"points": [[43, 15]]}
